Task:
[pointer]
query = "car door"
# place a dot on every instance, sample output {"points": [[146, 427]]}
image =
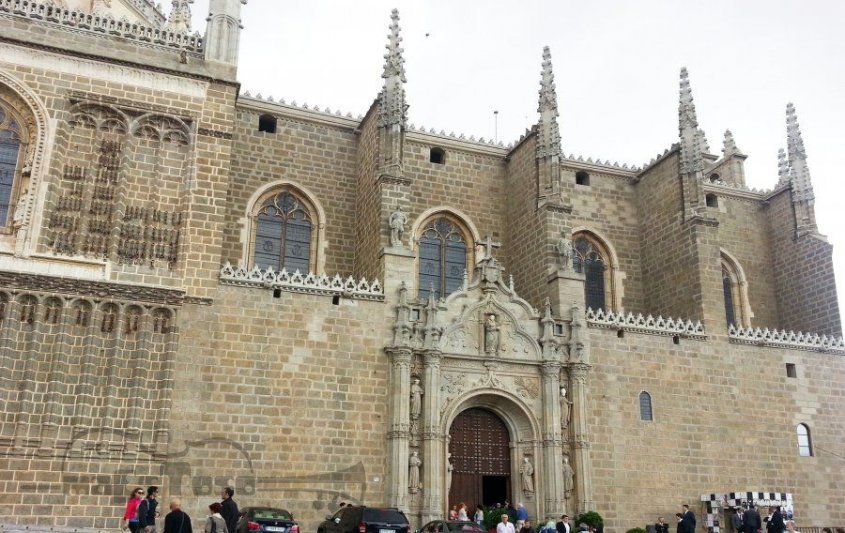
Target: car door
{"points": [[334, 524]]}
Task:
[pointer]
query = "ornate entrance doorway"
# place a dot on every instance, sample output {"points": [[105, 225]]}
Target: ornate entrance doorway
{"points": [[481, 460]]}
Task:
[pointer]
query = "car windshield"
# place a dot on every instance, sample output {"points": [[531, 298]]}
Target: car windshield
{"points": [[385, 516], [463, 526], [280, 514]]}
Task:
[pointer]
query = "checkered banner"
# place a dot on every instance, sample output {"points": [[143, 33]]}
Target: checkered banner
{"points": [[715, 502]]}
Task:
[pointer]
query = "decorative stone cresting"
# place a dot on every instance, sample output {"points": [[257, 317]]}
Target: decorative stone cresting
{"points": [[645, 324], [787, 339], [298, 282], [101, 23]]}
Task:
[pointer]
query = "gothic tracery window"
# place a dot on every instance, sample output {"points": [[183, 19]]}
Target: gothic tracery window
{"points": [[589, 259], [442, 257], [735, 292], [283, 233], [10, 151]]}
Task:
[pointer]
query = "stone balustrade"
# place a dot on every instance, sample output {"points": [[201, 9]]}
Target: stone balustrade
{"points": [[101, 23], [298, 282], [645, 324]]}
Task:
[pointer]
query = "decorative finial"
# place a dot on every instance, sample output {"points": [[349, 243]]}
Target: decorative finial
{"points": [[180, 17], [693, 142], [799, 173], [783, 168], [729, 145], [393, 108], [549, 132]]}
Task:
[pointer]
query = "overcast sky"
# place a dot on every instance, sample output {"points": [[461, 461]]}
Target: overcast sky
{"points": [[616, 67]]}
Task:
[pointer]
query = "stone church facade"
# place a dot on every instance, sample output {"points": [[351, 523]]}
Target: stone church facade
{"points": [[204, 288]]}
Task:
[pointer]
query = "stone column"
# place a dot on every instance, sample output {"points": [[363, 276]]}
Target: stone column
{"points": [[581, 443], [434, 454], [398, 435], [57, 383], [554, 502], [32, 338]]}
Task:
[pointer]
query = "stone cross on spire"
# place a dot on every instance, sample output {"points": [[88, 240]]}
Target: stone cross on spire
{"points": [[693, 143], [799, 173], [549, 133], [393, 108], [180, 16]]}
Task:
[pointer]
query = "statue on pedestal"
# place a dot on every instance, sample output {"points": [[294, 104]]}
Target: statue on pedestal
{"points": [[414, 463], [568, 478], [527, 473], [396, 222]]}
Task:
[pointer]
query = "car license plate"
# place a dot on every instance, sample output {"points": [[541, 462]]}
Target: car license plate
{"points": [[386, 531], [275, 529]]}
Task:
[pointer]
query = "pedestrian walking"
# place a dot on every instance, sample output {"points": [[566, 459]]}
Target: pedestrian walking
{"points": [[479, 516], [737, 520], [148, 511], [215, 522], [177, 520], [753, 522], [230, 511], [563, 526], [521, 516], [504, 526], [688, 520], [130, 515], [549, 527], [775, 523]]}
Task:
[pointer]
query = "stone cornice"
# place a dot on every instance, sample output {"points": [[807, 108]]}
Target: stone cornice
{"points": [[445, 141], [646, 324], [284, 110]]}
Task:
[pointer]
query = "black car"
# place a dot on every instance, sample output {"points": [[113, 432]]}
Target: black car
{"points": [[451, 526], [360, 519], [266, 520]]}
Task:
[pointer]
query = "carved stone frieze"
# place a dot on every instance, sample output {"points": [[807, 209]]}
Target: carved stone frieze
{"points": [[528, 388]]}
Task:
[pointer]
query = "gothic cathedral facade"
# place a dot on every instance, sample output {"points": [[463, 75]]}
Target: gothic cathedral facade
{"points": [[201, 288]]}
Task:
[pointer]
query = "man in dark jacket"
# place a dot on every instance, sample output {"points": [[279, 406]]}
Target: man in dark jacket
{"points": [[147, 511], [687, 520], [737, 521], [563, 526], [752, 520], [177, 520], [661, 526], [230, 509], [775, 524]]}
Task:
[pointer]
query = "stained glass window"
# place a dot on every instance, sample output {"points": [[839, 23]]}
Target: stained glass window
{"points": [[587, 260], [283, 234], [10, 145], [645, 407], [443, 258]]}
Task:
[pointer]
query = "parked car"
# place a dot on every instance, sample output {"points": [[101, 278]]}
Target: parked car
{"points": [[361, 519], [266, 520], [451, 526]]}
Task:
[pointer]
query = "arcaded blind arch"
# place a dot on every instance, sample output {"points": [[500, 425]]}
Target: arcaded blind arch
{"points": [[805, 445], [735, 292], [444, 253], [593, 257], [12, 137]]}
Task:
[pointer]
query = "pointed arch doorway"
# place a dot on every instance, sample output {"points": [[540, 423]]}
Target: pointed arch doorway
{"points": [[479, 442]]}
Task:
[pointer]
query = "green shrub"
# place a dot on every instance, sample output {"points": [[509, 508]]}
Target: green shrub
{"points": [[636, 530], [591, 518]]}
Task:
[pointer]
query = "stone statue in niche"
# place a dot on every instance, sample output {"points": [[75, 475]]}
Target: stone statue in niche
{"points": [[20, 209], [568, 478], [564, 252], [414, 463], [416, 398], [491, 335], [565, 409], [396, 222], [526, 471]]}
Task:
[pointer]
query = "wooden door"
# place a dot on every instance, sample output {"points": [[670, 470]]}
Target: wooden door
{"points": [[480, 450]]}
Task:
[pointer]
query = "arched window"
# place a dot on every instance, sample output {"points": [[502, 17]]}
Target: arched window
{"points": [[589, 258], [735, 291], [443, 256], [10, 156], [805, 446], [645, 407], [283, 232]]}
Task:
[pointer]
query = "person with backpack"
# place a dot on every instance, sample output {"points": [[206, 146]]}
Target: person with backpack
{"points": [[177, 520], [147, 512], [216, 523]]}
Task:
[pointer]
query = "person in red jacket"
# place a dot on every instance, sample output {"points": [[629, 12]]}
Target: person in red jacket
{"points": [[130, 516]]}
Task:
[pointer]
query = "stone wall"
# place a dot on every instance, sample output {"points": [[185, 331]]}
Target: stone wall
{"points": [[720, 424]]}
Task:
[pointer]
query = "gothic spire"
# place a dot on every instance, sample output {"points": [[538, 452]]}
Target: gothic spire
{"points": [[783, 168], [393, 108], [549, 133], [180, 16], [693, 143], [799, 173]]}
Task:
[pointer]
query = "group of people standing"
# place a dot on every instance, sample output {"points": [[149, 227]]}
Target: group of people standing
{"points": [[142, 511]]}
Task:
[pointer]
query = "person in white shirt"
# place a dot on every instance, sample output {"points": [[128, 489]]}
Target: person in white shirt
{"points": [[504, 526]]}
